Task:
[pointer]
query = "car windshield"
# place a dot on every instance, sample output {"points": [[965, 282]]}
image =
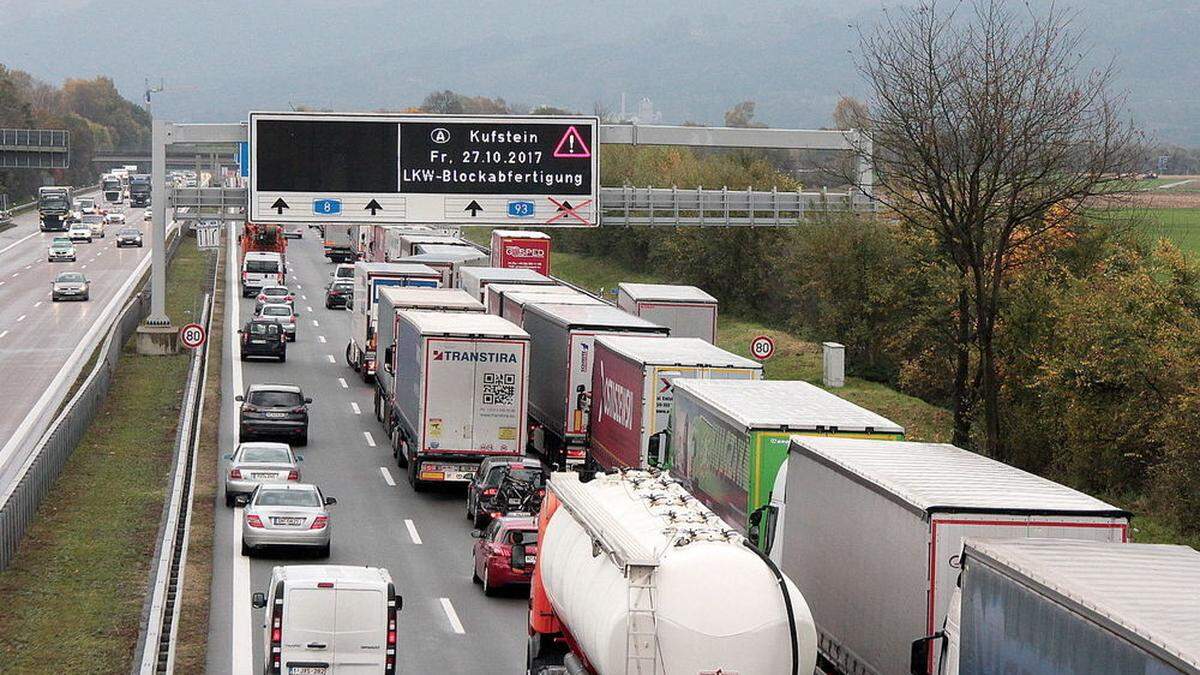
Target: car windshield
{"points": [[60, 241], [276, 399], [260, 328], [276, 310], [287, 498], [260, 266], [261, 454], [70, 277], [524, 474], [345, 272], [343, 287], [131, 232]]}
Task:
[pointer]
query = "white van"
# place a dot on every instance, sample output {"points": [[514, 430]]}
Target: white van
{"points": [[329, 620], [261, 268]]}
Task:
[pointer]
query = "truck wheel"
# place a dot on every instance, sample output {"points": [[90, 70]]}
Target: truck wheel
{"points": [[488, 589], [350, 360], [378, 415]]}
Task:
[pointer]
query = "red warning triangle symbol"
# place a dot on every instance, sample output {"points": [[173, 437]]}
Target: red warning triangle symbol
{"points": [[572, 146]]}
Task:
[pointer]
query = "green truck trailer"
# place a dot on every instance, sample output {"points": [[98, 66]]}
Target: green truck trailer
{"points": [[727, 438]]}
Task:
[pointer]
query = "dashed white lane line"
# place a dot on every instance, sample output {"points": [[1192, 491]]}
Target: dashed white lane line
{"points": [[452, 615], [308, 309], [38, 303], [331, 359], [305, 297], [83, 267], [20, 318], [16, 274], [1, 283], [416, 539], [366, 434], [355, 408], [342, 382], [321, 339], [316, 324], [3, 334], [29, 267], [387, 476]]}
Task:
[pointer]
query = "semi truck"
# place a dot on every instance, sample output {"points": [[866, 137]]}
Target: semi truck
{"points": [[521, 249], [139, 190], [339, 242], [727, 438], [686, 310], [493, 295], [369, 278], [461, 393], [406, 241], [54, 208], [1113, 608], [511, 305], [635, 576], [393, 300], [872, 533], [633, 388], [112, 189], [449, 264], [563, 340], [475, 280]]}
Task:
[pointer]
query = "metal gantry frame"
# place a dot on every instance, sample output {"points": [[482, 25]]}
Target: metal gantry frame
{"points": [[618, 205]]}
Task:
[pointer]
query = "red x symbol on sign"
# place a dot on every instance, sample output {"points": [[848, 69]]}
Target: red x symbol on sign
{"points": [[565, 209]]}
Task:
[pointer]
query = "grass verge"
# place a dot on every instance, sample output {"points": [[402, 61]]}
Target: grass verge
{"points": [[73, 595], [191, 648]]}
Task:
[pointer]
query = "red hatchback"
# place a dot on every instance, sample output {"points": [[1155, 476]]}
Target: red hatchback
{"points": [[505, 552]]}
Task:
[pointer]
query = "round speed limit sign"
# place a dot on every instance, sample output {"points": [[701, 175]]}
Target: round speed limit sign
{"points": [[762, 347], [192, 335]]}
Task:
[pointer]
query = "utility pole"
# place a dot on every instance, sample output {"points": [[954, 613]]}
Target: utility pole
{"points": [[152, 90]]}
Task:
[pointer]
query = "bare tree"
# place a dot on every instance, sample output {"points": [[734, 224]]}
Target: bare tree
{"points": [[980, 125], [851, 113]]}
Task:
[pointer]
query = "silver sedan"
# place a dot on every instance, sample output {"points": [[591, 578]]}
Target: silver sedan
{"points": [[253, 464], [286, 515]]}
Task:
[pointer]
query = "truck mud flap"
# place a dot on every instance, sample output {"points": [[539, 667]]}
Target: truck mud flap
{"points": [[349, 356]]}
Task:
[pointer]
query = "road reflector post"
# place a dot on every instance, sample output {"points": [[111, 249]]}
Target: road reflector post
{"points": [[834, 357]]}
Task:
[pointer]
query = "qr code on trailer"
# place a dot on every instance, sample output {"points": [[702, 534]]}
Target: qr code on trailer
{"points": [[499, 388]]}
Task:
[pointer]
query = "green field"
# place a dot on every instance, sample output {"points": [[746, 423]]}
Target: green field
{"points": [[1181, 226]]}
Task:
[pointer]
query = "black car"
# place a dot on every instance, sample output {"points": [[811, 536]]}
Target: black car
{"points": [[129, 236], [263, 338], [275, 412], [338, 294], [502, 485]]}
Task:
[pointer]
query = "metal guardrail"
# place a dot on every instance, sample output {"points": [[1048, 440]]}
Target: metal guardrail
{"points": [[669, 207], [43, 466]]}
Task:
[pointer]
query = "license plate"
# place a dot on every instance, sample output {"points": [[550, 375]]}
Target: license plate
{"points": [[258, 342], [276, 415], [307, 670], [530, 559], [514, 502], [263, 474], [286, 521]]}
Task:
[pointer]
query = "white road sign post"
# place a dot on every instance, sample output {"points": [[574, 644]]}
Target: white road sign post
{"points": [[208, 235], [460, 169]]}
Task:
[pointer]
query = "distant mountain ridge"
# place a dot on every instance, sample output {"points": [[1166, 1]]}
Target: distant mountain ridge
{"points": [[220, 59]]}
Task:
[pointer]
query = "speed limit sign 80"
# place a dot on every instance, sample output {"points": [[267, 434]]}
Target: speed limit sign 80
{"points": [[192, 335], [762, 347]]}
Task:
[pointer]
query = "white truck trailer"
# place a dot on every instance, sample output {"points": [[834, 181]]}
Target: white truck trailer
{"points": [[1067, 606], [687, 310], [872, 533], [633, 388], [475, 280], [494, 293], [391, 302], [512, 305], [562, 338], [449, 264], [461, 393], [635, 576], [369, 278]]}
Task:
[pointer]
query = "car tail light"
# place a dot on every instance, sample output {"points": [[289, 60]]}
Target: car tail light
{"points": [[577, 453], [393, 607], [319, 523], [489, 492], [496, 514], [293, 475], [541, 492], [254, 521], [235, 473], [298, 409], [277, 630]]}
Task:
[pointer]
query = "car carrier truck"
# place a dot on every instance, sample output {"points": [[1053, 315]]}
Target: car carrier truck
{"points": [[635, 576], [1109, 608], [461, 393], [872, 533]]}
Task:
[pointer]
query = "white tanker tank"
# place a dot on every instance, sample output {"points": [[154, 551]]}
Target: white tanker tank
{"points": [[634, 575]]}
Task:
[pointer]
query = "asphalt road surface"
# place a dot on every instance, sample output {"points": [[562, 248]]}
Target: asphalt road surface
{"points": [[37, 335], [447, 625]]}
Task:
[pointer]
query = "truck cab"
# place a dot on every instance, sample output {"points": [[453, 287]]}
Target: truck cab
{"points": [[329, 619]]}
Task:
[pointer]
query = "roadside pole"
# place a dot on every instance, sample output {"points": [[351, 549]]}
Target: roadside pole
{"points": [[156, 335]]}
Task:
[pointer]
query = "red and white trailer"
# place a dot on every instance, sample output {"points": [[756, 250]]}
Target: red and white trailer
{"points": [[521, 249], [686, 310]]}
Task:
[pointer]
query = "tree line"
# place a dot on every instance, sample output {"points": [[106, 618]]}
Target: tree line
{"points": [[95, 113]]}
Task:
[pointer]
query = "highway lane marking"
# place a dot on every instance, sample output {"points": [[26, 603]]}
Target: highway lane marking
{"points": [[82, 268], [354, 407], [321, 339], [342, 382], [16, 274], [387, 476], [316, 324], [31, 234], [1, 283], [20, 318], [29, 267], [455, 624], [305, 297], [3, 334], [331, 359], [241, 651], [416, 539], [366, 434], [308, 309], [38, 303]]}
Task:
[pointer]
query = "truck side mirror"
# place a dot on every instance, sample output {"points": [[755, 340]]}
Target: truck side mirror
{"points": [[654, 449], [258, 600], [518, 557], [918, 662]]}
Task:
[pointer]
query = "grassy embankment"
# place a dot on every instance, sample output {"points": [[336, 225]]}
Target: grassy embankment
{"points": [[72, 599]]}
